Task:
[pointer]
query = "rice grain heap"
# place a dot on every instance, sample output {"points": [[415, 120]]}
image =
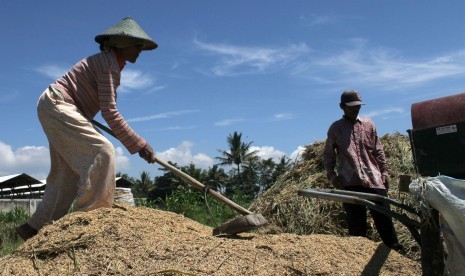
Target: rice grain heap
{"points": [[126, 240]]}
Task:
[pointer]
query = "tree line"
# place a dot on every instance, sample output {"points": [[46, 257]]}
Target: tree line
{"points": [[239, 171]]}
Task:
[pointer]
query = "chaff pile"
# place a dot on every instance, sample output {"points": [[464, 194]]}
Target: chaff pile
{"points": [[127, 240], [290, 213]]}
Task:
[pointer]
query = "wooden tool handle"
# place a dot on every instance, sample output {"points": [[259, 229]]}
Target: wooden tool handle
{"points": [[241, 210]]}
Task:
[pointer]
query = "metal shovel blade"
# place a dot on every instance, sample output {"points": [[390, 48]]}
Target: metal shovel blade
{"points": [[241, 224]]}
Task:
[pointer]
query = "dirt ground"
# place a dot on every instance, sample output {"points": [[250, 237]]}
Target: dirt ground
{"points": [[128, 240]]}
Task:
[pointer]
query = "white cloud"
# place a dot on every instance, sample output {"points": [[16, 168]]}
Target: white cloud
{"points": [[30, 156], [130, 79], [122, 161], [283, 116], [162, 115], [183, 156], [380, 67], [266, 152], [296, 154], [176, 128], [356, 63], [8, 156], [228, 122], [155, 89], [31, 160], [237, 60], [52, 71], [133, 79], [35, 161], [316, 20], [384, 112], [9, 96]]}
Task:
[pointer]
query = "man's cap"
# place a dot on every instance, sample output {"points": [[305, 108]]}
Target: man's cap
{"points": [[351, 98], [127, 28]]}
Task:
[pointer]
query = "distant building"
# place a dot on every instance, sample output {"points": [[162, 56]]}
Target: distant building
{"points": [[20, 186], [23, 186], [122, 182]]}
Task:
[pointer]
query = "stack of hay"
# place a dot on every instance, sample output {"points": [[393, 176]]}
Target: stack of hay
{"points": [[291, 213]]}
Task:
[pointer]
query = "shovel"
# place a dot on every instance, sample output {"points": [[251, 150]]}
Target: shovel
{"points": [[248, 220]]}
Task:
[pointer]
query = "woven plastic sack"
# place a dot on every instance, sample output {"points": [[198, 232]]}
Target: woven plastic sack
{"points": [[447, 196], [124, 195]]}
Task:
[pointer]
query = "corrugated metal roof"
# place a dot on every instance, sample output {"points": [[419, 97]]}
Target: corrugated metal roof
{"points": [[123, 182], [15, 180], [7, 177], [22, 185]]}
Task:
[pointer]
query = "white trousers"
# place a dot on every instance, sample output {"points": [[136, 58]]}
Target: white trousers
{"points": [[82, 162]]}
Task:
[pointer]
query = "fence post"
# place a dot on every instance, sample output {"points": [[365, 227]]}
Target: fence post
{"points": [[432, 248]]}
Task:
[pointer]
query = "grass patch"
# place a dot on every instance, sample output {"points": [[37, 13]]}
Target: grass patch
{"points": [[198, 206], [9, 241]]}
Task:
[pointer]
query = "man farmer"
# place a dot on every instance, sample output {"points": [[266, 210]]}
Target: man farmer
{"points": [[82, 159], [353, 142]]}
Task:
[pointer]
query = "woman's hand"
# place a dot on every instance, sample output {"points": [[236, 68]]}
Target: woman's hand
{"points": [[147, 154]]}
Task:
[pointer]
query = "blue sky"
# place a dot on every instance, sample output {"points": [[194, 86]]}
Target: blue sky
{"points": [[272, 70]]}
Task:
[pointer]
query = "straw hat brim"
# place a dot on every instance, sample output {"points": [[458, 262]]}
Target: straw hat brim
{"points": [[148, 44]]}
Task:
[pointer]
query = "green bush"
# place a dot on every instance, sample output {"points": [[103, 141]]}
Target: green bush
{"points": [[198, 206], [9, 241]]}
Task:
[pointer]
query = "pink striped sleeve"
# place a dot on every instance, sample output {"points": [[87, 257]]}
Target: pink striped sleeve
{"points": [[107, 83]]}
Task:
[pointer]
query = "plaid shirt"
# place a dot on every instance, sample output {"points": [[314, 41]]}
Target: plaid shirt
{"points": [[91, 86], [358, 152]]}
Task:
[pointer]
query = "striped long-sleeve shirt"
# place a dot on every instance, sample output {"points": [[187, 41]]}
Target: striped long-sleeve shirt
{"points": [[91, 86], [358, 150]]}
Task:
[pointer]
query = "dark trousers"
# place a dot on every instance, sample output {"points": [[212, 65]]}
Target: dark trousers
{"points": [[357, 217]]}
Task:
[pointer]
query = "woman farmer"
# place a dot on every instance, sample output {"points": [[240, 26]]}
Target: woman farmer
{"points": [[82, 159]]}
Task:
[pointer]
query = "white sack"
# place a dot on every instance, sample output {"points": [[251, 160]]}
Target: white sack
{"points": [[124, 195], [447, 196]]}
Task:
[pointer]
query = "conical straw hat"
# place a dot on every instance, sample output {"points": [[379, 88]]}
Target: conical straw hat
{"points": [[130, 29]]}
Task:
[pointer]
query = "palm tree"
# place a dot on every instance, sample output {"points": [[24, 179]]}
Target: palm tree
{"points": [[216, 178], [283, 166], [144, 185], [165, 184], [266, 168], [192, 171], [239, 154]]}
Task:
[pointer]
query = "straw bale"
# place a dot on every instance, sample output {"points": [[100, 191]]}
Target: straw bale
{"points": [[126, 240]]}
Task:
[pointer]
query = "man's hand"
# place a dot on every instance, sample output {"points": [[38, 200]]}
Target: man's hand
{"points": [[385, 181], [147, 154], [337, 183]]}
